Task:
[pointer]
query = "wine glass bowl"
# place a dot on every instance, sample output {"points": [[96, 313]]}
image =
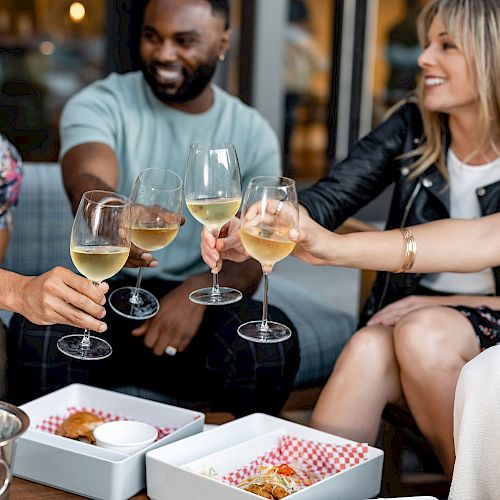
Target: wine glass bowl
{"points": [[156, 215], [99, 248], [212, 189], [269, 212]]}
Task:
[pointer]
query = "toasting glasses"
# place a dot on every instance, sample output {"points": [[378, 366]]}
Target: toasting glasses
{"points": [[100, 244], [269, 211], [156, 217], [212, 188]]}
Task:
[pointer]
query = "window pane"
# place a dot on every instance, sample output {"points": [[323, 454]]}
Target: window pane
{"points": [[49, 49], [397, 51], [307, 87]]}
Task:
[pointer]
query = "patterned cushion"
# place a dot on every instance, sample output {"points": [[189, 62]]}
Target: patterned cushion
{"points": [[42, 222]]}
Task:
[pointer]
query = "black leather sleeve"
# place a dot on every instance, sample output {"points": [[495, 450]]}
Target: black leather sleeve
{"points": [[367, 170]]}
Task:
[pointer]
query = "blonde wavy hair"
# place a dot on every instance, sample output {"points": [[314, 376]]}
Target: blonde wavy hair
{"points": [[474, 27]]}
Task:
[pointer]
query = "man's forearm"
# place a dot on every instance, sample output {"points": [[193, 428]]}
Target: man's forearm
{"points": [[76, 186], [89, 166]]}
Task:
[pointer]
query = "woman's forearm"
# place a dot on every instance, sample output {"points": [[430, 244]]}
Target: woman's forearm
{"points": [[446, 245]]}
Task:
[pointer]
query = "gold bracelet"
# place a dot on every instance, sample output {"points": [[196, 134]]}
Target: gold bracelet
{"points": [[410, 251]]}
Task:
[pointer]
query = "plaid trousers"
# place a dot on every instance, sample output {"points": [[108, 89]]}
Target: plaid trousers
{"points": [[219, 370]]}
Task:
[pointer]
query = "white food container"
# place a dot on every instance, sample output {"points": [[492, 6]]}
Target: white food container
{"points": [[174, 472], [87, 469]]}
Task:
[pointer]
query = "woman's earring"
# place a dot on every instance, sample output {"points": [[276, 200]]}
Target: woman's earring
{"points": [[222, 57]]}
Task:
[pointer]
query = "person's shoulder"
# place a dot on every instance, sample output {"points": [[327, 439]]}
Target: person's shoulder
{"points": [[250, 121], [114, 85], [235, 104]]}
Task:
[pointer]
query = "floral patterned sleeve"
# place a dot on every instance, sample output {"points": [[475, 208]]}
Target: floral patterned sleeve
{"points": [[10, 181]]}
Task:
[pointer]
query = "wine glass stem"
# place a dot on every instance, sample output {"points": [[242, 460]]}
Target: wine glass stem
{"points": [[134, 298], [215, 283], [215, 276], [85, 342], [263, 325]]}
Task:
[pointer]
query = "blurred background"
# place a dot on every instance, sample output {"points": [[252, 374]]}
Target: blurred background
{"points": [[323, 72]]}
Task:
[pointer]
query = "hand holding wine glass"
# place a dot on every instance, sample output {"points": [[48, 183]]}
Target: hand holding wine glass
{"points": [[100, 244], [213, 195], [269, 212], [156, 216]]}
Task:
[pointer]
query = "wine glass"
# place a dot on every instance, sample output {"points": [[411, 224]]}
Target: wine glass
{"points": [[270, 210], [156, 217], [212, 188], [100, 244]]}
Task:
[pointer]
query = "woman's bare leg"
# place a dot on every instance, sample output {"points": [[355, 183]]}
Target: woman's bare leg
{"points": [[432, 345], [365, 379]]}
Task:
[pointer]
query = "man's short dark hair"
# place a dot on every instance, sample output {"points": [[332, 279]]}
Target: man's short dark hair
{"points": [[220, 7]]}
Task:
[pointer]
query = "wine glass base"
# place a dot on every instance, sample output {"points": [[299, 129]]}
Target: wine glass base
{"points": [[275, 332], [71, 345], [207, 297], [146, 307]]}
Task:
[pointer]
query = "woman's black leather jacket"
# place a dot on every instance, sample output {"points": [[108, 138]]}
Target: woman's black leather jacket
{"points": [[373, 164]]}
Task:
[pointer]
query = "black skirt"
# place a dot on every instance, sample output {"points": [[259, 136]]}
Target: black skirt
{"points": [[486, 324], [485, 321]]}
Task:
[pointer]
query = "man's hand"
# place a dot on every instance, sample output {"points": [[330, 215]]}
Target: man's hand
{"points": [[228, 246], [140, 258], [60, 296], [150, 216], [175, 324], [391, 314]]}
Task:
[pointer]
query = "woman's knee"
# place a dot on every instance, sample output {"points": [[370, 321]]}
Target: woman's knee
{"points": [[371, 344], [426, 339]]}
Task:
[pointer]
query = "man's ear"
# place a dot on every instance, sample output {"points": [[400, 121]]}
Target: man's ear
{"points": [[225, 43]]}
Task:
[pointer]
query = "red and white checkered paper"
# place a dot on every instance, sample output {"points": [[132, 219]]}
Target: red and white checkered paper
{"points": [[51, 423], [318, 459]]}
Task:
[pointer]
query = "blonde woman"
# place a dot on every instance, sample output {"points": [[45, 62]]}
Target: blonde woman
{"points": [[442, 155], [448, 245]]}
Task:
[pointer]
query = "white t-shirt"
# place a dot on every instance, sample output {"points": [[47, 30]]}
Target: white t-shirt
{"points": [[464, 180], [122, 112]]}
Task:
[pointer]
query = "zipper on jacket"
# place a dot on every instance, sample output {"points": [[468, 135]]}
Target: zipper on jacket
{"points": [[403, 221]]}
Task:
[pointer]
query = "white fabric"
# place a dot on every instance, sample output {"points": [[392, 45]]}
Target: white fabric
{"points": [[476, 429], [464, 204]]}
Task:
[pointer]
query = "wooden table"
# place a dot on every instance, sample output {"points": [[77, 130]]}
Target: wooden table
{"points": [[27, 490]]}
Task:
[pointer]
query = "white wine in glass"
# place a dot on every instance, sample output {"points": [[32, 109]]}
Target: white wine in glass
{"points": [[213, 213], [98, 263], [269, 211], [156, 218], [212, 188], [99, 248]]}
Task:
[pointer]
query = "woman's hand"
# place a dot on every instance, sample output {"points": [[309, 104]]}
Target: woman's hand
{"points": [[314, 244], [227, 246], [391, 314], [61, 296]]}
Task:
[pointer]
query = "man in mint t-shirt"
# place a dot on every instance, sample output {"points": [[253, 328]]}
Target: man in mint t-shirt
{"points": [[110, 132]]}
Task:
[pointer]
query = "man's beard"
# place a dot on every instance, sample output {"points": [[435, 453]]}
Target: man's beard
{"points": [[192, 86]]}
